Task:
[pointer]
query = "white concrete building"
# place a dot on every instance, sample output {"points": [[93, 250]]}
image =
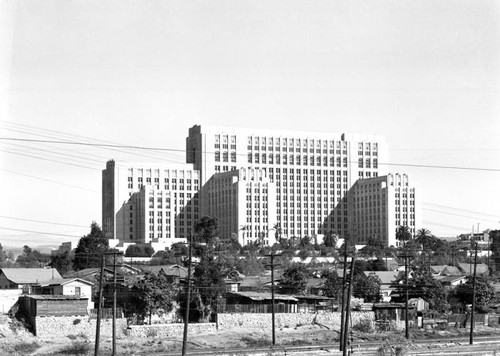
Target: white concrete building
{"points": [[245, 203], [312, 171], [378, 206], [149, 203]]}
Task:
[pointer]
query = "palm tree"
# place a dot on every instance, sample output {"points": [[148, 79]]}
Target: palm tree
{"points": [[425, 238], [403, 233]]}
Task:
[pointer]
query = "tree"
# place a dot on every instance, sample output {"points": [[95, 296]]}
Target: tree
{"points": [[367, 287], [62, 262], [139, 250], [208, 286], [3, 257], [153, 294], [421, 284], [403, 233], [294, 279], [333, 285], [374, 247], [426, 239], [32, 258], [250, 266], [90, 249], [494, 237], [484, 291]]}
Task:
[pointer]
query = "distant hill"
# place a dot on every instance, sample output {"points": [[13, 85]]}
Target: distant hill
{"points": [[16, 250]]}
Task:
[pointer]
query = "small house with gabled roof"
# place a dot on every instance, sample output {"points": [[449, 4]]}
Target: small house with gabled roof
{"points": [[26, 278]]}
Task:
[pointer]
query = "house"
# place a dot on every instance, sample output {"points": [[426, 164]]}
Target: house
{"points": [[67, 286], [418, 304], [316, 286], [26, 278], [387, 286], [175, 271], [259, 302], [451, 281]]}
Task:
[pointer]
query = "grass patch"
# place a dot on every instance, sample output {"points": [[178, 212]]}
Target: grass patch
{"points": [[262, 341], [26, 347], [76, 348]]}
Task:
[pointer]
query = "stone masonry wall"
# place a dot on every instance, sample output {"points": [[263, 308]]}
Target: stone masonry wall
{"points": [[167, 330], [258, 320], [48, 326]]}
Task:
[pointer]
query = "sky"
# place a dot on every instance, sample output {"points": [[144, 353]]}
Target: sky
{"points": [[425, 74]]}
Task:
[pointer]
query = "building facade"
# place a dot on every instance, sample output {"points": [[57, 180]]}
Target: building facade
{"points": [[260, 184], [244, 201], [144, 203], [378, 206], [312, 171]]}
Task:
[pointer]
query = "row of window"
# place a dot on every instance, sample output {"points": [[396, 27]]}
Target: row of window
{"points": [[297, 160]]}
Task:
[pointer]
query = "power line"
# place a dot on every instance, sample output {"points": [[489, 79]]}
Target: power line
{"points": [[468, 211], [37, 232], [461, 215], [49, 180], [182, 151], [40, 221]]}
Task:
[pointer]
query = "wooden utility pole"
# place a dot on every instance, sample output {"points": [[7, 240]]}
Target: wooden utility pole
{"points": [[98, 321], [273, 316], [407, 331], [342, 309], [348, 305], [471, 338], [188, 297]]}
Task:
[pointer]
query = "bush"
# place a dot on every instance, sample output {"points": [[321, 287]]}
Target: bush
{"points": [[76, 348], [364, 326], [25, 348]]}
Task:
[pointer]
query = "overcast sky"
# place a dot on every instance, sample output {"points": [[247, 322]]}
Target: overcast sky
{"points": [[425, 74]]}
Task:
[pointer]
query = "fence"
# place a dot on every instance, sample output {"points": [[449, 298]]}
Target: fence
{"points": [[106, 313], [278, 308]]}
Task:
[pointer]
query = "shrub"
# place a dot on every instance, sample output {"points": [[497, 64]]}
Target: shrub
{"points": [[76, 348], [25, 348], [364, 326]]}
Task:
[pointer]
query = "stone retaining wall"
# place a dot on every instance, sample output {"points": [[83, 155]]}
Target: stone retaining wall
{"points": [[258, 320], [167, 330], [48, 326]]}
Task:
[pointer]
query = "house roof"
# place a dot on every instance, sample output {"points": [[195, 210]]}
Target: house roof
{"points": [[451, 271], [259, 296], [169, 270], [315, 282], [387, 277], [254, 281], [468, 269], [30, 275], [437, 269], [55, 297], [449, 279], [63, 281]]}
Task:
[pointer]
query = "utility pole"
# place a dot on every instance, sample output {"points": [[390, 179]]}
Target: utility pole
{"points": [[188, 297], [342, 310], [273, 323], [98, 321], [471, 338], [407, 332], [348, 305]]}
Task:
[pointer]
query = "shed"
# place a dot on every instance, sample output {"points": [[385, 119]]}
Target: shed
{"points": [[53, 305]]}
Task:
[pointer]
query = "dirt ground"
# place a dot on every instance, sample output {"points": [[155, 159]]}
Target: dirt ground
{"points": [[14, 340]]}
